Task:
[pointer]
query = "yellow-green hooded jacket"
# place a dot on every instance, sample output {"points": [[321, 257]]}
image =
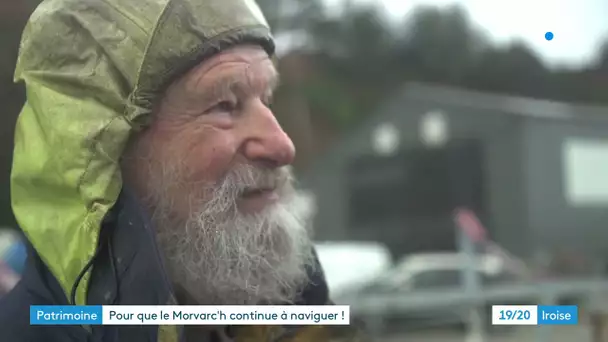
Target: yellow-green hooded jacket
{"points": [[92, 71]]}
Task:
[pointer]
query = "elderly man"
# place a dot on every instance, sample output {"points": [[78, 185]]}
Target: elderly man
{"points": [[149, 169]]}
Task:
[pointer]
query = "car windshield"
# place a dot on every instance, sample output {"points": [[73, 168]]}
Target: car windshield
{"points": [[437, 279]]}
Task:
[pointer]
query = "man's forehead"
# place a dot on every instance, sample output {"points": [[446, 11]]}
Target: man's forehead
{"points": [[251, 59], [251, 55]]}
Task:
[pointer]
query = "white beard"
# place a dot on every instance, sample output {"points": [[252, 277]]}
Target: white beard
{"points": [[221, 256]]}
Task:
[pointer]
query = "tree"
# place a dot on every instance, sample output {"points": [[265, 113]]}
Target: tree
{"points": [[515, 69], [439, 45], [289, 15], [603, 59]]}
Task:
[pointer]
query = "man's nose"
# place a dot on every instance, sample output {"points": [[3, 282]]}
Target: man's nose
{"points": [[267, 142]]}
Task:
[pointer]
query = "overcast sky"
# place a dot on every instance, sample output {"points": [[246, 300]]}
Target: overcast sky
{"points": [[578, 25]]}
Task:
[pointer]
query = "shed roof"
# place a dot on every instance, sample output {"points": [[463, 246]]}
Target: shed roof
{"points": [[451, 98], [517, 105]]}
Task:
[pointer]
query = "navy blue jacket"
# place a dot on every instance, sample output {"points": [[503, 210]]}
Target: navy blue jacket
{"points": [[127, 270]]}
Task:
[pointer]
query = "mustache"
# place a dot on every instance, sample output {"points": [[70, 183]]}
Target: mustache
{"points": [[243, 179]]}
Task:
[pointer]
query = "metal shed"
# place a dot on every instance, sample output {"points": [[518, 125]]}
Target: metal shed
{"points": [[535, 171]]}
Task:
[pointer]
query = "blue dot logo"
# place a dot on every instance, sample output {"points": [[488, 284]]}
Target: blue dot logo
{"points": [[549, 36]]}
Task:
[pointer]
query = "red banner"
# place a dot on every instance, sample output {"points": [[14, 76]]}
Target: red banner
{"points": [[467, 221]]}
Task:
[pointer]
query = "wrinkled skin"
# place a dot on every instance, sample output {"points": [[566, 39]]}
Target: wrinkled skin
{"points": [[212, 168], [217, 116]]}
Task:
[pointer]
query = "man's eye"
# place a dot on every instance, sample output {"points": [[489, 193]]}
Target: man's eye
{"points": [[224, 106]]}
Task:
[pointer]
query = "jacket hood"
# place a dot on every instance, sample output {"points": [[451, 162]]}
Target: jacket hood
{"points": [[92, 70]]}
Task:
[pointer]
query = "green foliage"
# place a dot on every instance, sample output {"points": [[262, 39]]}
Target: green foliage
{"points": [[363, 58], [329, 98]]}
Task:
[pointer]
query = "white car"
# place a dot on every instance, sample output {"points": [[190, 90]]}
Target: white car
{"points": [[428, 272], [437, 270], [350, 266]]}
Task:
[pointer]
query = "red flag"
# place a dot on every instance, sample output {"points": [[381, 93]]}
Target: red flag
{"points": [[467, 221]]}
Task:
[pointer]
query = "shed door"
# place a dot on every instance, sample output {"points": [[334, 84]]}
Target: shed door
{"points": [[409, 198]]}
